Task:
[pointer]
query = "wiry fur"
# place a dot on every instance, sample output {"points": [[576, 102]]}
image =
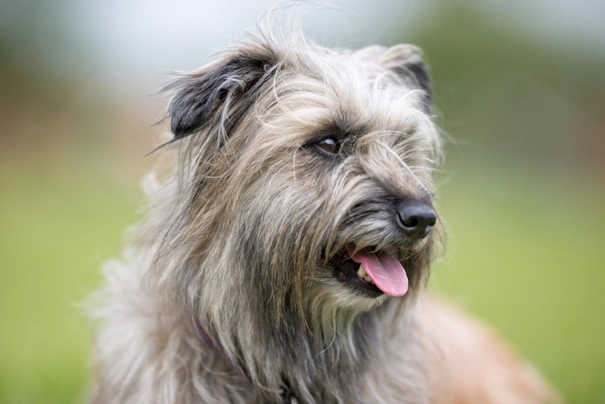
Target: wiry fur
{"points": [[238, 242]]}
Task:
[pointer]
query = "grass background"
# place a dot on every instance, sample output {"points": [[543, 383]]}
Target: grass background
{"points": [[525, 255]]}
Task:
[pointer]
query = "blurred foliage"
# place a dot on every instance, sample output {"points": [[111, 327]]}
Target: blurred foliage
{"points": [[522, 192]]}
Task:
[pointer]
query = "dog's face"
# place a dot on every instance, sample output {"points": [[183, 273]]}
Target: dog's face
{"points": [[309, 171]]}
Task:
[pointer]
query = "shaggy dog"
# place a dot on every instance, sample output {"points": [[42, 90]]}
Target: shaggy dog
{"points": [[285, 257]]}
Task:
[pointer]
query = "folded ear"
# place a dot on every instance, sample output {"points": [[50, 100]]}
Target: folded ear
{"points": [[218, 95], [406, 61]]}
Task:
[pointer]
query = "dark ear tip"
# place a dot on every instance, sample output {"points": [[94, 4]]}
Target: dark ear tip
{"points": [[177, 128], [177, 131], [421, 73], [407, 61], [183, 115], [181, 130]]}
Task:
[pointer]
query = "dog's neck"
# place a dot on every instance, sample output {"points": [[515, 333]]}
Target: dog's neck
{"points": [[287, 395], [219, 349], [335, 364]]}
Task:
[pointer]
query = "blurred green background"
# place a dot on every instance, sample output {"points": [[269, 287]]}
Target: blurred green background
{"points": [[520, 93]]}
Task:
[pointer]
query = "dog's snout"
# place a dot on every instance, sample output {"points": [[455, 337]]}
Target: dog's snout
{"points": [[415, 218]]}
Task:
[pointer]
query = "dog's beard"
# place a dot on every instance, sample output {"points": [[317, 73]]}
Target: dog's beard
{"points": [[342, 287]]}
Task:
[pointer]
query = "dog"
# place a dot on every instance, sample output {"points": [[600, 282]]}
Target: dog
{"points": [[285, 256]]}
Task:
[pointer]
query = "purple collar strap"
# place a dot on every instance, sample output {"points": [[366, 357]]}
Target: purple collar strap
{"points": [[208, 340]]}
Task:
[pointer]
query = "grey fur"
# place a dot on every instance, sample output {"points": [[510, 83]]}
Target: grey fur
{"points": [[238, 239]]}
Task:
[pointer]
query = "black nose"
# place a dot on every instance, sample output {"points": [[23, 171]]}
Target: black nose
{"points": [[415, 218]]}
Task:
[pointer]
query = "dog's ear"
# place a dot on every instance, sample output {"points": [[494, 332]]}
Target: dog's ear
{"points": [[406, 61], [217, 95]]}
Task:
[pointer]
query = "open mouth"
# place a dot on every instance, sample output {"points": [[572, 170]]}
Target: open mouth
{"points": [[371, 273]]}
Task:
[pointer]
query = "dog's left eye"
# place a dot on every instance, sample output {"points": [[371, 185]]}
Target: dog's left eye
{"points": [[329, 145]]}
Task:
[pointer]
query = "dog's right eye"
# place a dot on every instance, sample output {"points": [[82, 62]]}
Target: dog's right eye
{"points": [[329, 145]]}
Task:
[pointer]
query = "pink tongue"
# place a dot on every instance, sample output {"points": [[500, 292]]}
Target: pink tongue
{"points": [[386, 272]]}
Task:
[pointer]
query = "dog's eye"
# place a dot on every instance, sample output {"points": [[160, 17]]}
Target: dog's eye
{"points": [[329, 145]]}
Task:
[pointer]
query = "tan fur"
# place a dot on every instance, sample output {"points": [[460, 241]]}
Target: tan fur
{"points": [[229, 292]]}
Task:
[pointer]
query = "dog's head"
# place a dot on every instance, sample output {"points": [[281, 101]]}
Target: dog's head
{"points": [[305, 175]]}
